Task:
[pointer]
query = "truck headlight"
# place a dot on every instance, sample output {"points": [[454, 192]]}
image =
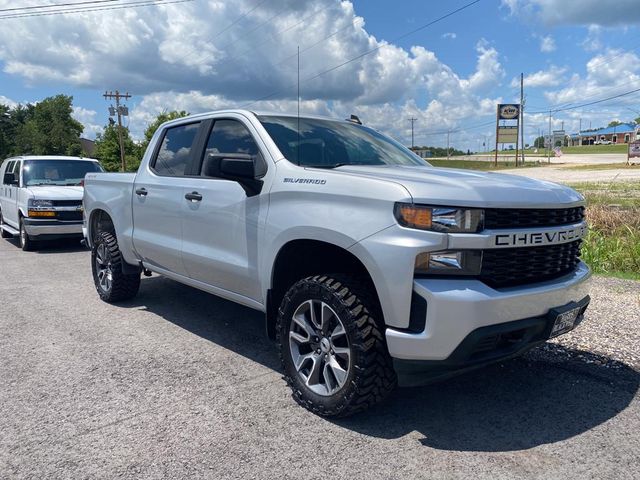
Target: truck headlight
{"points": [[40, 203], [439, 219], [449, 262]]}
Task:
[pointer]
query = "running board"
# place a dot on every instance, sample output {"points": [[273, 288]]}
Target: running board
{"points": [[10, 229]]}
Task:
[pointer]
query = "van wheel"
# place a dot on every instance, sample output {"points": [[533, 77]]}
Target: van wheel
{"points": [[333, 351], [26, 243], [3, 234], [106, 264]]}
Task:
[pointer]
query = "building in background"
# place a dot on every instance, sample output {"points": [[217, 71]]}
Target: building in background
{"points": [[623, 133]]}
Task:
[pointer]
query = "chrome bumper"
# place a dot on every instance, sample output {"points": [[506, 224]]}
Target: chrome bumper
{"points": [[36, 227]]}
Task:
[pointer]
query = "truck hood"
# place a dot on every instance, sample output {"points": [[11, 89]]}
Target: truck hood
{"points": [[470, 188], [53, 192]]}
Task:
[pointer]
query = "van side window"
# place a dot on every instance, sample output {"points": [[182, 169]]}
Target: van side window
{"points": [[9, 169], [175, 151]]}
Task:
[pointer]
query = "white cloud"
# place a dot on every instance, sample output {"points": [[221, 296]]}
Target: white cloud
{"points": [[608, 74], [552, 77], [449, 35], [547, 44], [7, 101], [592, 42], [583, 12], [185, 57], [88, 119]]}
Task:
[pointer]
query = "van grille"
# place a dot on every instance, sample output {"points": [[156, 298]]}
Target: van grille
{"points": [[514, 218], [66, 203], [507, 267]]}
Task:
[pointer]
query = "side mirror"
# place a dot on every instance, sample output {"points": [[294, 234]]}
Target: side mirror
{"points": [[10, 179], [239, 167]]}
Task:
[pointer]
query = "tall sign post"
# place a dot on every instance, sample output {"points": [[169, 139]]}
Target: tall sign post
{"points": [[506, 130]]}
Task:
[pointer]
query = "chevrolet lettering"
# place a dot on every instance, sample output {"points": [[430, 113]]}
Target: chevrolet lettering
{"points": [[372, 267], [551, 237]]}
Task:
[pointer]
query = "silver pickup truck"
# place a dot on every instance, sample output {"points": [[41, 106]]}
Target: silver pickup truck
{"points": [[371, 266]]}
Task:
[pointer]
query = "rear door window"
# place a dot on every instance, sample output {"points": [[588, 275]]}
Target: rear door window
{"points": [[175, 151]]}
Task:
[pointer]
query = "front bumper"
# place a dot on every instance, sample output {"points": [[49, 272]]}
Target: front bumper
{"points": [[456, 307], [52, 228]]}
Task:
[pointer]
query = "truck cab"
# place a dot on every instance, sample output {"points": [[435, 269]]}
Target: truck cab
{"points": [[41, 197]]}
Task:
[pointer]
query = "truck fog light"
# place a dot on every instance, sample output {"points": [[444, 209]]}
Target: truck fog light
{"points": [[449, 262]]}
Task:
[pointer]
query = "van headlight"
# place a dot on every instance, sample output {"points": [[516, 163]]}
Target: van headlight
{"points": [[449, 262], [439, 219]]}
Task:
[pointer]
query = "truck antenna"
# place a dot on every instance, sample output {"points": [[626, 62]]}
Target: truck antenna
{"points": [[298, 144]]}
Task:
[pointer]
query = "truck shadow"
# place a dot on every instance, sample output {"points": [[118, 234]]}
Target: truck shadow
{"points": [[551, 394]]}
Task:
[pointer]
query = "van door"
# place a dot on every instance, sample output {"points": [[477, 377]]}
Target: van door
{"points": [[158, 200], [10, 195]]}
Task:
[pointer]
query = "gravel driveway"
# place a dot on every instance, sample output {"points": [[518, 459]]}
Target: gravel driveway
{"points": [[554, 173], [180, 384]]}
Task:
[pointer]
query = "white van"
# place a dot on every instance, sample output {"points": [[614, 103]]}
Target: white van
{"points": [[41, 197]]}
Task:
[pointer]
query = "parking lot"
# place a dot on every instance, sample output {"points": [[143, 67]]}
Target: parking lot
{"points": [[180, 384]]}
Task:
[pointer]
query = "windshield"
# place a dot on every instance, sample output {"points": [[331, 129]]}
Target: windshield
{"points": [[57, 172], [330, 143]]}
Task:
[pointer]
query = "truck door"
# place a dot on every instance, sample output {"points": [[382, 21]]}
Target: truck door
{"points": [[220, 223], [158, 200], [10, 195]]}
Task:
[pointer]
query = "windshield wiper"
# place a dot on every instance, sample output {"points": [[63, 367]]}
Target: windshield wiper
{"points": [[335, 165]]}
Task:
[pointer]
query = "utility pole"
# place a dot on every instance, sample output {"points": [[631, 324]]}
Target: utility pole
{"points": [[521, 117], [412, 120], [550, 140], [448, 151], [580, 134], [121, 111]]}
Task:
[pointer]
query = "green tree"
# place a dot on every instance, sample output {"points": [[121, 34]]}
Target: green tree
{"points": [[162, 117], [614, 123], [107, 149], [539, 142], [48, 128]]}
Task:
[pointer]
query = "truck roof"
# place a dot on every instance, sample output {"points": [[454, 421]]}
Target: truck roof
{"points": [[50, 157], [245, 112]]}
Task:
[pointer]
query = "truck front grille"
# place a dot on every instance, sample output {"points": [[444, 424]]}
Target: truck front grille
{"points": [[506, 267], [531, 217]]}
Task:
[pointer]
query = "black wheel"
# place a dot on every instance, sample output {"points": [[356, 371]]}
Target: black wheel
{"points": [[106, 264], [3, 234], [26, 243], [333, 351]]}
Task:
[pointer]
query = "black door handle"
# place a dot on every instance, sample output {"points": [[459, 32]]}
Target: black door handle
{"points": [[141, 191], [193, 196]]}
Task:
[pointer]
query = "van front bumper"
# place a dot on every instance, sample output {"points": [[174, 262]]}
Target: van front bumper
{"points": [[457, 309], [52, 228]]}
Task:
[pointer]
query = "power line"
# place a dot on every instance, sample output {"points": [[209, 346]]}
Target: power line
{"points": [[351, 60], [589, 103], [136, 4], [54, 5]]}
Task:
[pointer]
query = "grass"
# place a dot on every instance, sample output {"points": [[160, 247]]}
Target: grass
{"points": [[476, 164], [612, 246], [605, 166], [584, 150]]}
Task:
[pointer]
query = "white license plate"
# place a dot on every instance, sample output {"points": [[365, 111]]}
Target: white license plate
{"points": [[565, 322]]}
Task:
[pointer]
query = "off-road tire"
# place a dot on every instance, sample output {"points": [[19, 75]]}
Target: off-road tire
{"points": [[3, 234], [122, 286], [371, 377], [26, 244]]}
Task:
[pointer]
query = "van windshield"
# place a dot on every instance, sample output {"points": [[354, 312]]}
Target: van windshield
{"points": [[330, 143], [57, 172]]}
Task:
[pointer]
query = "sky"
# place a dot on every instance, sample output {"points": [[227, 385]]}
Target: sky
{"points": [[446, 64]]}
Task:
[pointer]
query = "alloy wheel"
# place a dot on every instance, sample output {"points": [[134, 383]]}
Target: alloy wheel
{"points": [[319, 347], [103, 268]]}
